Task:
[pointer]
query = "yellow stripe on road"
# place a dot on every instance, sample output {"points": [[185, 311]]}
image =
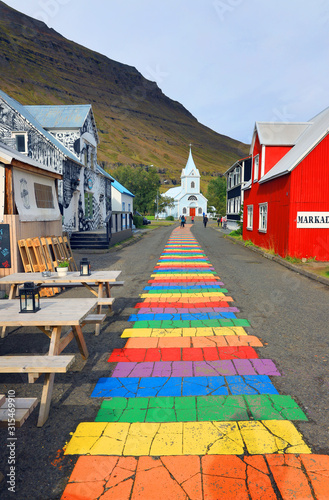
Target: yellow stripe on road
{"points": [[183, 332], [186, 438]]}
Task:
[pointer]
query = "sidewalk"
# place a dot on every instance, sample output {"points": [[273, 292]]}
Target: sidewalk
{"points": [[307, 269]]}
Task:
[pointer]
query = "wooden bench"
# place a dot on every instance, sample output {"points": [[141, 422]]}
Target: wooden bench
{"points": [[23, 409], [49, 365], [96, 319], [70, 285], [35, 364]]}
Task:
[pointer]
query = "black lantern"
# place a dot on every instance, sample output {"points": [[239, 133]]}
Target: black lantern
{"points": [[29, 298], [84, 267]]}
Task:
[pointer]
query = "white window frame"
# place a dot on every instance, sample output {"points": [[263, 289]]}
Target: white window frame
{"points": [[256, 168], [250, 217], [263, 217], [14, 135]]}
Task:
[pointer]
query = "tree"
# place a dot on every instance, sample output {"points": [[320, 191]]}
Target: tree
{"points": [[162, 202], [142, 182], [216, 194]]}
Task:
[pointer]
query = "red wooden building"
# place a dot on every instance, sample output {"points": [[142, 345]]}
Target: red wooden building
{"points": [[286, 202]]}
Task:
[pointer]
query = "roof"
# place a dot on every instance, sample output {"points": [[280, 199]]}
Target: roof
{"points": [[317, 128], [32, 120], [119, 187], [279, 133], [190, 165], [68, 116], [173, 192], [238, 162], [8, 154], [247, 185], [103, 172]]}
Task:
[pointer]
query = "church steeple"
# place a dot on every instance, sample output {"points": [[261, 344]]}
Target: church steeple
{"points": [[190, 165]]}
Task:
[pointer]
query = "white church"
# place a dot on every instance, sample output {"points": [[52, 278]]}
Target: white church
{"points": [[188, 199]]}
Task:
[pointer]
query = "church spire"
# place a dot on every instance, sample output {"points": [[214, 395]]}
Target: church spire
{"points": [[190, 165]]}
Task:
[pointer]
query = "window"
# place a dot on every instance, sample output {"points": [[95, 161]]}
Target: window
{"points": [[250, 215], [43, 196], [89, 212], [184, 210], [237, 176], [192, 198], [256, 167], [123, 206], [199, 210], [192, 185], [21, 142], [263, 217], [129, 210]]}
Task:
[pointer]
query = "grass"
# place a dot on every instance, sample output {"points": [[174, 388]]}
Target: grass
{"points": [[249, 243], [158, 222]]}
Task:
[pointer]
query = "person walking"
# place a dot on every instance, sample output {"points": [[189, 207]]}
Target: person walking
{"points": [[192, 218], [205, 220], [182, 221], [218, 221]]}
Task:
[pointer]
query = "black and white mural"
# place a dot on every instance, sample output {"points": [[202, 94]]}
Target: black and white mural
{"points": [[84, 194]]}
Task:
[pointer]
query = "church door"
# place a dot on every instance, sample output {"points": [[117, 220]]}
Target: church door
{"points": [[192, 212]]}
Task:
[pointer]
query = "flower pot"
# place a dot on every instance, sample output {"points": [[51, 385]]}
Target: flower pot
{"points": [[62, 271]]}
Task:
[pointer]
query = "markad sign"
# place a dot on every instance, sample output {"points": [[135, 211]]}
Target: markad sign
{"points": [[319, 220]]}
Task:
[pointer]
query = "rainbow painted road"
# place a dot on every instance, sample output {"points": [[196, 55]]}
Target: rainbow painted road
{"points": [[190, 410]]}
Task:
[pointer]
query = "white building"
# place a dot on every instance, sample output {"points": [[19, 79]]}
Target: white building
{"points": [[122, 206], [188, 198]]}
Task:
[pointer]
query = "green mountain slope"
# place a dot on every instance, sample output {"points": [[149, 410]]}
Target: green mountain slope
{"points": [[137, 123]]}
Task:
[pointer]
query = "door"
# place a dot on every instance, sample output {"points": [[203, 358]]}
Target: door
{"points": [[192, 212]]}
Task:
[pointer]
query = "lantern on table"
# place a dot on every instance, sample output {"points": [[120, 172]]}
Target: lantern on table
{"points": [[29, 298], [84, 267]]}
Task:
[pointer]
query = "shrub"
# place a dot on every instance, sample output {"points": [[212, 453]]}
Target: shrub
{"points": [[170, 217], [138, 221], [237, 232]]}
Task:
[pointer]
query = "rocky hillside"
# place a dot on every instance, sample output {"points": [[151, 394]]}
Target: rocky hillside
{"points": [[137, 123]]}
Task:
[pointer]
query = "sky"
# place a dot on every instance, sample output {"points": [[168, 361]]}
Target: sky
{"points": [[229, 62]]}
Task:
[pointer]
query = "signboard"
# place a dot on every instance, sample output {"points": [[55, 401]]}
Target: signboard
{"points": [[307, 220], [5, 261]]}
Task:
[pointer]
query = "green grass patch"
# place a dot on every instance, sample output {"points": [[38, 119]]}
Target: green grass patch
{"points": [[248, 243]]}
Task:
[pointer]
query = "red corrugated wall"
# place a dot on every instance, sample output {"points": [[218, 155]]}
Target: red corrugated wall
{"points": [[310, 193], [306, 188], [276, 194], [273, 154]]}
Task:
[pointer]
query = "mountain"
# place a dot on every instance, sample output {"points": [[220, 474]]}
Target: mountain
{"points": [[137, 123]]}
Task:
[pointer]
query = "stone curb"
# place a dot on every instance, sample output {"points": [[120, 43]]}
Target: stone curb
{"points": [[283, 262]]}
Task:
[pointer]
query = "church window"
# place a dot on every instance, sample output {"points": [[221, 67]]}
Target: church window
{"points": [[192, 198], [192, 185], [184, 210], [199, 210]]}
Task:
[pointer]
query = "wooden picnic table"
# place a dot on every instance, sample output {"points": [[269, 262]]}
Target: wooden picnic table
{"points": [[50, 319], [101, 280]]}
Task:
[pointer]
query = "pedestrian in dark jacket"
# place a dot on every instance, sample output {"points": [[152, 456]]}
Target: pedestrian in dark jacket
{"points": [[205, 220]]}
